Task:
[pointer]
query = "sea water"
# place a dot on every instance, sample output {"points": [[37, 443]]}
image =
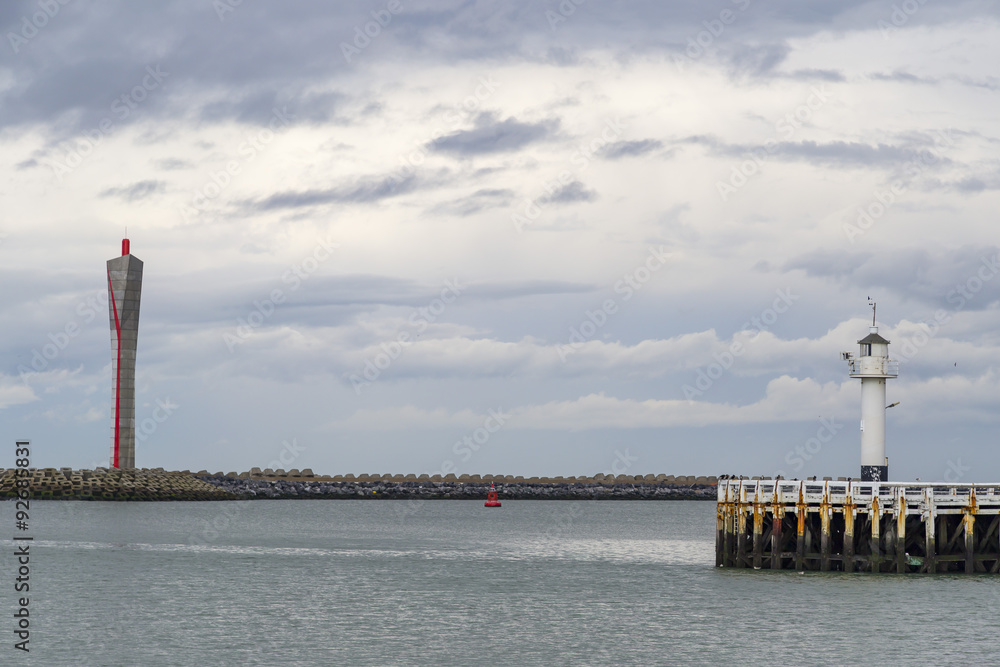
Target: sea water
{"points": [[447, 582]]}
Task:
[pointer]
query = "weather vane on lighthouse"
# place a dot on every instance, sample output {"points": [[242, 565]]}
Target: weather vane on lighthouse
{"points": [[873, 366]]}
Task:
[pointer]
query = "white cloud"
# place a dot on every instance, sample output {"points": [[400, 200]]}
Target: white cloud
{"points": [[14, 392]]}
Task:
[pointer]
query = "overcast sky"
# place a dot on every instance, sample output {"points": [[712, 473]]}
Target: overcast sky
{"points": [[528, 238]]}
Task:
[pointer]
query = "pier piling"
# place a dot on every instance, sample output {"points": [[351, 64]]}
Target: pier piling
{"points": [[858, 526]]}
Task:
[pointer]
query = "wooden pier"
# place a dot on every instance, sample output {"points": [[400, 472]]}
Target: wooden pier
{"points": [[858, 526]]}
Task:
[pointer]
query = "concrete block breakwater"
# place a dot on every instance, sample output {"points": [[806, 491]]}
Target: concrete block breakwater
{"points": [[158, 484], [111, 484], [600, 478], [466, 487]]}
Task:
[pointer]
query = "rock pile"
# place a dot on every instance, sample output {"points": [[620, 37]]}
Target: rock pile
{"points": [[159, 484], [113, 484], [244, 487], [599, 480]]}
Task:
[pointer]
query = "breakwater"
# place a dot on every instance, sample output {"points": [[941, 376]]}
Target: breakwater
{"points": [[113, 484], [458, 490], [157, 484]]}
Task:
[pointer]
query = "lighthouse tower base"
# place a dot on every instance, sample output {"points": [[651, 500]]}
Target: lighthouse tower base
{"points": [[874, 473], [858, 526]]}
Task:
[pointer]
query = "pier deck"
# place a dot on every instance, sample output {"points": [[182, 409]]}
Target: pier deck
{"points": [[858, 526]]}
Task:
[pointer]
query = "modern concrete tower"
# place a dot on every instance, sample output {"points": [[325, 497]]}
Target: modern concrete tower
{"points": [[874, 367], [124, 289]]}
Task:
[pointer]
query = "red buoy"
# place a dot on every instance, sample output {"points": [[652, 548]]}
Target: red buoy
{"points": [[491, 499]]}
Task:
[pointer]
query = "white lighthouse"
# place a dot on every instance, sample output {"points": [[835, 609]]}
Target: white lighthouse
{"points": [[874, 367]]}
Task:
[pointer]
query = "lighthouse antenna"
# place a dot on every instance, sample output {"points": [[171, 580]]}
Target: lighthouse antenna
{"points": [[873, 305]]}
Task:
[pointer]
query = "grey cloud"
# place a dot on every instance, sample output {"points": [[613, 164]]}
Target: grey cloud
{"points": [[562, 56], [510, 290], [364, 191], [330, 299], [477, 201], [492, 136], [828, 263], [372, 290], [620, 149], [260, 48], [934, 277], [258, 108], [968, 184], [170, 164], [849, 154], [990, 83], [902, 77], [830, 75], [843, 153], [569, 193], [758, 59], [135, 191], [973, 184]]}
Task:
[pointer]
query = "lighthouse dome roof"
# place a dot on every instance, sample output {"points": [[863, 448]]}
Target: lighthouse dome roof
{"points": [[873, 338]]}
